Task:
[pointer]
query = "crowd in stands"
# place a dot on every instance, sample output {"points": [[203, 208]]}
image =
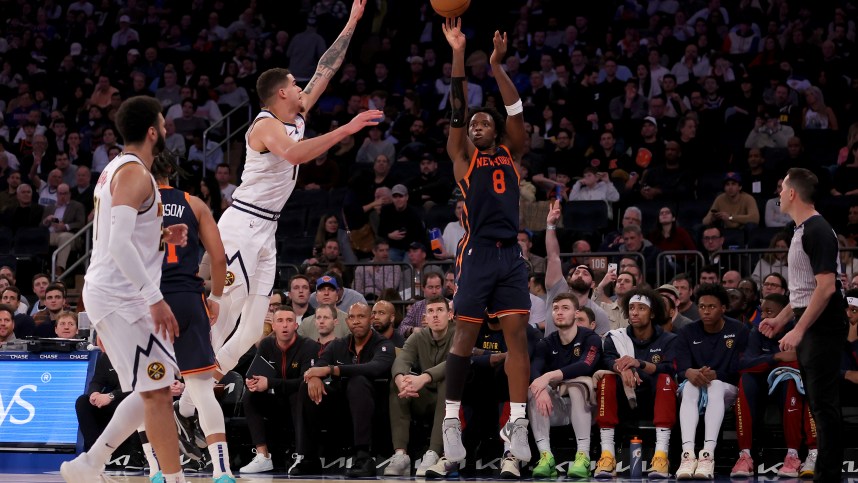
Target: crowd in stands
{"points": [[671, 124]]}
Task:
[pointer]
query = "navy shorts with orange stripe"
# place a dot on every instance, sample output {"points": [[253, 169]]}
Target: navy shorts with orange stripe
{"points": [[193, 347], [491, 280]]}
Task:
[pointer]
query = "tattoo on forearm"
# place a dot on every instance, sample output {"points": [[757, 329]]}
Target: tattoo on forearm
{"points": [[331, 59]]}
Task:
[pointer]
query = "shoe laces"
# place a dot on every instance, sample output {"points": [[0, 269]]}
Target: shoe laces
{"points": [[657, 459], [605, 460], [811, 456], [580, 457]]}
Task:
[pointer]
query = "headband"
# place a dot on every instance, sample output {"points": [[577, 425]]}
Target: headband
{"points": [[852, 301], [641, 299]]}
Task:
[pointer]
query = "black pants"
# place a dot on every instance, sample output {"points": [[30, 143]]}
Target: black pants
{"points": [[281, 411], [93, 420], [820, 371], [354, 396]]}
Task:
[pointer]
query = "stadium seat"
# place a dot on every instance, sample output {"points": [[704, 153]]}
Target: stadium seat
{"points": [[690, 213], [439, 215], [6, 240], [231, 391], [294, 249], [292, 222], [32, 241], [762, 237], [585, 216]]}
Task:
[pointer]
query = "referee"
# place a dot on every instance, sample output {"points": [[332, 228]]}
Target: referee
{"points": [[818, 307]]}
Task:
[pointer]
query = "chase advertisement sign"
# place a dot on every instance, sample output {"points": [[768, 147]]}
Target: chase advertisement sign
{"points": [[37, 397]]}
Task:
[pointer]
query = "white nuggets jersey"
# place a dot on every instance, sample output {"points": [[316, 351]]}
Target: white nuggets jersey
{"points": [[267, 180], [106, 289]]}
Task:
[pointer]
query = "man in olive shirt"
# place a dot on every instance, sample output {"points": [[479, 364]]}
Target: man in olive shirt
{"points": [[419, 395]]}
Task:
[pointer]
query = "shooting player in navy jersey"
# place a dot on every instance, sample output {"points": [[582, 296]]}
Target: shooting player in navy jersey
{"points": [[559, 361], [491, 272], [640, 359], [707, 366], [762, 356], [184, 292]]}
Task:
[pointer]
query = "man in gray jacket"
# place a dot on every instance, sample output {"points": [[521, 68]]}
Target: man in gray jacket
{"points": [[418, 387]]}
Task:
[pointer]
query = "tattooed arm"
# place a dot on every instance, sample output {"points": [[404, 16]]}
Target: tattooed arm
{"points": [[332, 58]]}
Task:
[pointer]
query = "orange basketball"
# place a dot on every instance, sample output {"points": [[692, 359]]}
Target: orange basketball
{"points": [[450, 8]]}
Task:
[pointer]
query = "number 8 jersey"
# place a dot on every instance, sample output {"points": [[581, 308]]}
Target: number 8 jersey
{"points": [[491, 192]]}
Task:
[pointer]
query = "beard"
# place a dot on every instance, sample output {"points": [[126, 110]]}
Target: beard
{"points": [[579, 285], [160, 145]]}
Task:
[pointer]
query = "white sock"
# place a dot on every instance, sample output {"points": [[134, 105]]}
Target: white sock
{"points": [[174, 478], [662, 439], [544, 445], [220, 459], [399, 451], [745, 452], [583, 444], [581, 418], [791, 451], [127, 418], [451, 409], [606, 435], [186, 405], [689, 416], [154, 466], [812, 451], [714, 415], [517, 411]]}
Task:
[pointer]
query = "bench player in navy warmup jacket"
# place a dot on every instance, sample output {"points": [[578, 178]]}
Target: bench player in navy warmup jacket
{"points": [[761, 357], [649, 371], [707, 366]]}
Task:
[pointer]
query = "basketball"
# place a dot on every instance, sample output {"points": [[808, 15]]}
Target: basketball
{"points": [[450, 8]]}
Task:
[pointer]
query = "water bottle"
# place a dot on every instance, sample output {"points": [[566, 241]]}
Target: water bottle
{"points": [[435, 240], [635, 462]]}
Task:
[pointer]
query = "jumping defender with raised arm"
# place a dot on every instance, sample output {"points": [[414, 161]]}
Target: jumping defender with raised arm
{"points": [[271, 171], [491, 272]]}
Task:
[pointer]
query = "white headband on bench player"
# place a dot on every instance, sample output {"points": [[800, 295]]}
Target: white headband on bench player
{"points": [[641, 299], [853, 301]]}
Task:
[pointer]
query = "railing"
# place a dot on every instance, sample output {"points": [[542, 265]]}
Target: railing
{"points": [[670, 263], [598, 261], [228, 135], [86, 233]]}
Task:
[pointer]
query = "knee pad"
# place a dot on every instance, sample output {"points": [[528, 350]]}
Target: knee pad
{"points": [[209, 411]]}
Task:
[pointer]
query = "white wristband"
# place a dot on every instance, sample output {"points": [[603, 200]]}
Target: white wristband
{"points": [[214, 298], [551, 227], [514, 109]]}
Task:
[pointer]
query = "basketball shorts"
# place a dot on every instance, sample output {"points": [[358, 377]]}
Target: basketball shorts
{"points": [[251, 252], [143, 360], [193, 347], [490, 280]]}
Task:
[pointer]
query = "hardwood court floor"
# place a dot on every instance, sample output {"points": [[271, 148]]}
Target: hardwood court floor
{"points": [[54, 477]]}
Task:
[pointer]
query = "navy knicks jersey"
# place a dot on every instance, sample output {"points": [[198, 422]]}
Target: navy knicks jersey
{"points": [[181, 264], [491, 193]]}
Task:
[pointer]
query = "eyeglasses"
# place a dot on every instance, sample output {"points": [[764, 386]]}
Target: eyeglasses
{"points": [[706, 308]]}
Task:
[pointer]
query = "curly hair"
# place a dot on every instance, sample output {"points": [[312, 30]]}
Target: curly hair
{"points": [[659, 315]]}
